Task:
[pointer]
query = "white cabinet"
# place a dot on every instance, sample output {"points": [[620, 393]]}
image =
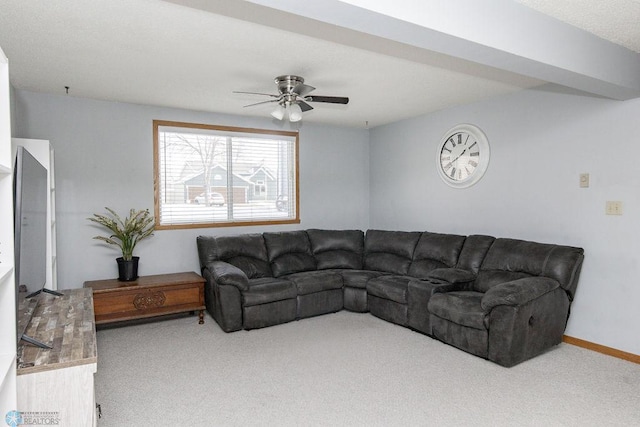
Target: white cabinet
{"points": [[60, 382], [64, 396], [43, 152], [7, 282]]}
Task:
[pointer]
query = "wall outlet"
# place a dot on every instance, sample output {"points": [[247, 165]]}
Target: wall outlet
{"points": [[613, 208]]}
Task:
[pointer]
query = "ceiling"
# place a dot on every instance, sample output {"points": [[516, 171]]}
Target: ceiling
{"points": [[193, 54]]}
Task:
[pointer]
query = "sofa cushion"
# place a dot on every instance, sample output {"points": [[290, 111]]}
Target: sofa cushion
{"points": [[337, 248], [309, 282], [473, 251], [266, 290], [487, 279], [518, 292], [289, 252], [245, 251], [389, 251], [392, 288], [435, 251], [461, 307], [510, 259], [358, 278], [452, 275]]}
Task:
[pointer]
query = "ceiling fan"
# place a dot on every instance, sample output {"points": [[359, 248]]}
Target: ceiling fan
{"points": [[293, 98]]}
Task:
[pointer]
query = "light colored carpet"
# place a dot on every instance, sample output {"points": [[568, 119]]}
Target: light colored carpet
{"points": [[346, 369]]}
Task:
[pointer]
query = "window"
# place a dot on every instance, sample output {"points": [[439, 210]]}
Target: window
{"points": [[213, 176]]}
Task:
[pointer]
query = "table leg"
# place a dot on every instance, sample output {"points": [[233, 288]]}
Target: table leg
{"points": [[201, 317]]}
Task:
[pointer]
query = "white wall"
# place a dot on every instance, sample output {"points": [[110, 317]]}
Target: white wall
{"points": [[104, 157], [541, 140]]}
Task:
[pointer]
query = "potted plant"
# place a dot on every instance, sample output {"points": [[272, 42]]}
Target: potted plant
{"points": [[126, 235]]}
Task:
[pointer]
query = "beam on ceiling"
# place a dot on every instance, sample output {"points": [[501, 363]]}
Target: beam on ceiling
{"points": [[502, 35]]}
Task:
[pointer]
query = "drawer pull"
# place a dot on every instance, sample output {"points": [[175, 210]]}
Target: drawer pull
{"points": [[149, 300]]}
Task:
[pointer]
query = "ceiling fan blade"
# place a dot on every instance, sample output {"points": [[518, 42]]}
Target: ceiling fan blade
{"points": [[330, 99], [302, 89], [263, 102], [258, 93], [304, 106]]}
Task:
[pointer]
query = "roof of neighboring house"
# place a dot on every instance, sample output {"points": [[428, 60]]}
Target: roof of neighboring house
{"points": [[216, 166], [266, 170]]}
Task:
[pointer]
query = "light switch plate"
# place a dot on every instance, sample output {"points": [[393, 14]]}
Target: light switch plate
{"points": [[584, 180]]}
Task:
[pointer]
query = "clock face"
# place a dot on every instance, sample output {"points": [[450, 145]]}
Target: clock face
{"points": [[463, 156]]}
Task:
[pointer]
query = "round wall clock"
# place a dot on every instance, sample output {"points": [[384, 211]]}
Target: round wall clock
{"points": [[463, 155]]}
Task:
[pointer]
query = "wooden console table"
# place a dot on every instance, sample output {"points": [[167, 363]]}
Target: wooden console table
{"points": [[56, 386], [148, 296]]}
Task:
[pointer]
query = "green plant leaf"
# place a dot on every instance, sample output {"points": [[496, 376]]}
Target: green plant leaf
{"points": [[128, 232]]}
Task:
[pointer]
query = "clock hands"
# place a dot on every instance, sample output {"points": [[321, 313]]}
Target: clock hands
{"points": [[461, 154], [459, 143]]}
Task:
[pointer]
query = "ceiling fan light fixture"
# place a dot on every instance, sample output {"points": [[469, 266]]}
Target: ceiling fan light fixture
{"points": [[278, 113], [293, 98], [295, 113]]}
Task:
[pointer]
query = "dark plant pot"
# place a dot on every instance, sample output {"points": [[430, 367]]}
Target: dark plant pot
{"points": [[127, 270]]}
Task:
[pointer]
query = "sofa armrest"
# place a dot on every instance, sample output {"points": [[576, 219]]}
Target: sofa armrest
{"points": [[226, 274], [517, 292], [452, 275]]}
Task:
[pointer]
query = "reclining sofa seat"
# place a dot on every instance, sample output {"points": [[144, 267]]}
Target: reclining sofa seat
{"points": [[518, 305], [318, 291], [458, 277], [241, 291]]}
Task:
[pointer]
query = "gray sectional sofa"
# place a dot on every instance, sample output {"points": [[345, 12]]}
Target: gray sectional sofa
{"points": [[504, 300]]}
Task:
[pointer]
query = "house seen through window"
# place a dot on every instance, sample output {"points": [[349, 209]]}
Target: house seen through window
{"points": [[208, 176]]}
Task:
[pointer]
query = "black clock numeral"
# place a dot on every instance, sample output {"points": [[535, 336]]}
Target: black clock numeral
{"points": [[472, 163], [452, 142], [448, 166], [446, 149], [475, 153], [453, 173], [459, 138]]}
